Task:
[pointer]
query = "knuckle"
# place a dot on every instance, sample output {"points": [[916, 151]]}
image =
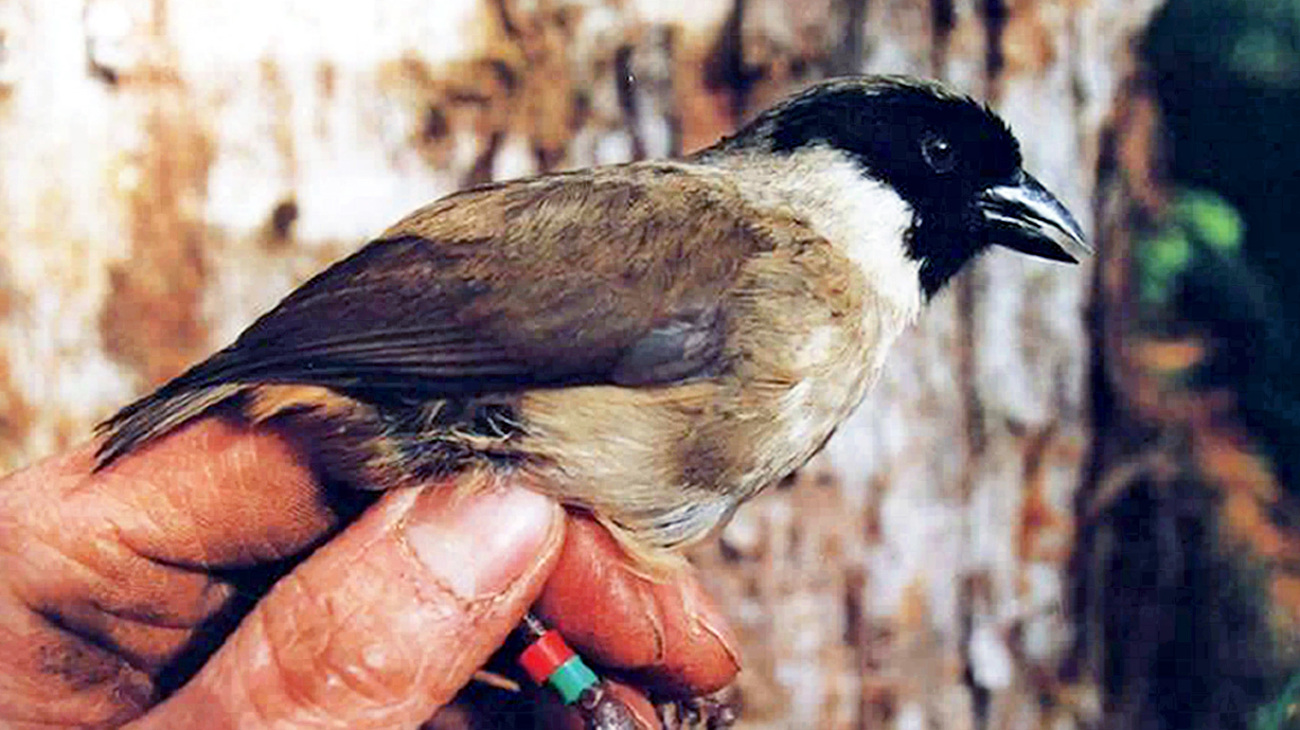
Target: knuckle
{"points": [[327, 653]]}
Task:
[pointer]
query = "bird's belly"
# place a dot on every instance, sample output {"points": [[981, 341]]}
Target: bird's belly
{"points": [[666, 465], [795, 420]]}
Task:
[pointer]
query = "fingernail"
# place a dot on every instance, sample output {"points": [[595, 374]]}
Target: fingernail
{"points": [[478, 545], [709, 619]]}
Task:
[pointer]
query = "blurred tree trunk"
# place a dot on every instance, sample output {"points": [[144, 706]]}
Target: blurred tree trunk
{"points": [[170, 169], [1185, 574]]}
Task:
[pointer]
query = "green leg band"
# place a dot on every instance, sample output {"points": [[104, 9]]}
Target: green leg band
{"points": [[571, 678]]}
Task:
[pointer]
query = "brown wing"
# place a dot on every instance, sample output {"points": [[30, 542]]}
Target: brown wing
{"points": [[608, 276]]}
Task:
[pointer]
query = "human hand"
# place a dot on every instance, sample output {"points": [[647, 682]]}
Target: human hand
{"points": [[109, 582]]}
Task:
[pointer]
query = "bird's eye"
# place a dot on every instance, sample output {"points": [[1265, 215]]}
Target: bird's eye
{"points": [[938, 153]]}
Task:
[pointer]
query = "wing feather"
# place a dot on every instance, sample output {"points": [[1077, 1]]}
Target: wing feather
{"points": [[615, 275]]}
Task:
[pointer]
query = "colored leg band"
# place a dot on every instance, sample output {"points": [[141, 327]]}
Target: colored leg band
{"points": [[550, 661], [571, 679]]}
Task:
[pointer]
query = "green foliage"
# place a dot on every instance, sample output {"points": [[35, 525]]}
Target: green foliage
{"points": [[1265, 57], [1227, 74], [1256, 41], [1199, 225], [1210, 219], [1280, 714]]}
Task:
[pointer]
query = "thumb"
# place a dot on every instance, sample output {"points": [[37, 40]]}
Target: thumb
{"points": [[384, 624]]}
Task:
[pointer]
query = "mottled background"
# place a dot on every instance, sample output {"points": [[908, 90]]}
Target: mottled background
{"points": [[171, 168]]}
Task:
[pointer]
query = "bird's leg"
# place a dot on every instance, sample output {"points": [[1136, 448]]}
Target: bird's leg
{"points": [[549, 661], [697, 713]]}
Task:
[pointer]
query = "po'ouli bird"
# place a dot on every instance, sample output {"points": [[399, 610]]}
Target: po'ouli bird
{"points": [[653, 342]]}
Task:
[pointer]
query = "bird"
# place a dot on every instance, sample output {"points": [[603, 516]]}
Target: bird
{"points": [[653, 342]]}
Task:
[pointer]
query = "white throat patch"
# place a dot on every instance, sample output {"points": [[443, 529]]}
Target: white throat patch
{"points": [[863, 218]]}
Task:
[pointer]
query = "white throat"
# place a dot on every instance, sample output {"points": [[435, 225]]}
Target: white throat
{"points": [[864, 218]]}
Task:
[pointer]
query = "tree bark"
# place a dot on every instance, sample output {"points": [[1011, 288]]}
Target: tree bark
{"points": [[170, 169]]}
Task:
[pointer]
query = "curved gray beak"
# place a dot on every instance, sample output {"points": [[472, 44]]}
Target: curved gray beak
{"points": [[1025, 217]]}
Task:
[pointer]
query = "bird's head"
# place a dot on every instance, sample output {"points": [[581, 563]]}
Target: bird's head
{"points": [[951, 159]]}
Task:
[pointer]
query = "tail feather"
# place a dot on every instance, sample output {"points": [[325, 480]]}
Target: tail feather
{"points": [[156, 415]]}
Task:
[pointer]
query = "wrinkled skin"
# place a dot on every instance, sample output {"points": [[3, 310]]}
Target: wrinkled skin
{"points": [[107, 579]]}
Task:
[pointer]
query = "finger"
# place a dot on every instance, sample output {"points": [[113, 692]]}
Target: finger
{"points": [[113, 560], [386, 622], [95, 562], [667, 631], [216, 493]]}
